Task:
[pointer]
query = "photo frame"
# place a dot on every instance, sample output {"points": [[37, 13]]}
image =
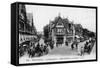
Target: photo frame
{"points": [[52, 33]]}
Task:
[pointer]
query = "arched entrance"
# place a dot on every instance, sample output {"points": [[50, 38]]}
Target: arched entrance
{"points": [[59, 40]]}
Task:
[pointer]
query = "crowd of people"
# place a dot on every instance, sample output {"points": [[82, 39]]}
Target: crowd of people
{"points": [[83, 47], [35, 49], [41, 47]]}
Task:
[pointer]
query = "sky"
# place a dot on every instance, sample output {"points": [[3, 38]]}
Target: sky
{"points": [[43, 14]]}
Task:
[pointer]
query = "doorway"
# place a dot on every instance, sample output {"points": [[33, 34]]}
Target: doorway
{"points": [[59, 40]]}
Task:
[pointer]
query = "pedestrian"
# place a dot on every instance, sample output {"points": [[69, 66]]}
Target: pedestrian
{"points": [[66, 43], [38, 50], [72, 45], [81, 48], [82, 51]]}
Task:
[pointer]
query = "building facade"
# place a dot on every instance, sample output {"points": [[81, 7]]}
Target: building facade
{"points": [[30, 24], [61, 30], [22, 18], [27, 29]]}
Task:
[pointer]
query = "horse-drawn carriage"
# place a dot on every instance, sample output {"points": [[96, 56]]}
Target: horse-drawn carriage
{"points": [[32, 49], [23, 47], [85, 46], [89, 46]]}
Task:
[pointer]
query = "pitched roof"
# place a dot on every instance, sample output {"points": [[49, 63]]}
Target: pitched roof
{"points": [[65, 22]]}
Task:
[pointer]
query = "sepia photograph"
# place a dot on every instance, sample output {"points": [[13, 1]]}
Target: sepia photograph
{"points": [[56, 33]]}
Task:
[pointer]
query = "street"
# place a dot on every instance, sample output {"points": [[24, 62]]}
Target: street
{"points": [[61, 53]]}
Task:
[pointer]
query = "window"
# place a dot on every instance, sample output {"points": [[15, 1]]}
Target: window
{"points": [[60, 30]]}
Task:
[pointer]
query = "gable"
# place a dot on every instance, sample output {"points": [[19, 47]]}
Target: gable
{"points": [[59, 23]]}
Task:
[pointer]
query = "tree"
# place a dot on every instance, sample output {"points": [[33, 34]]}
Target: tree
{"points": [[87, 33]]}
